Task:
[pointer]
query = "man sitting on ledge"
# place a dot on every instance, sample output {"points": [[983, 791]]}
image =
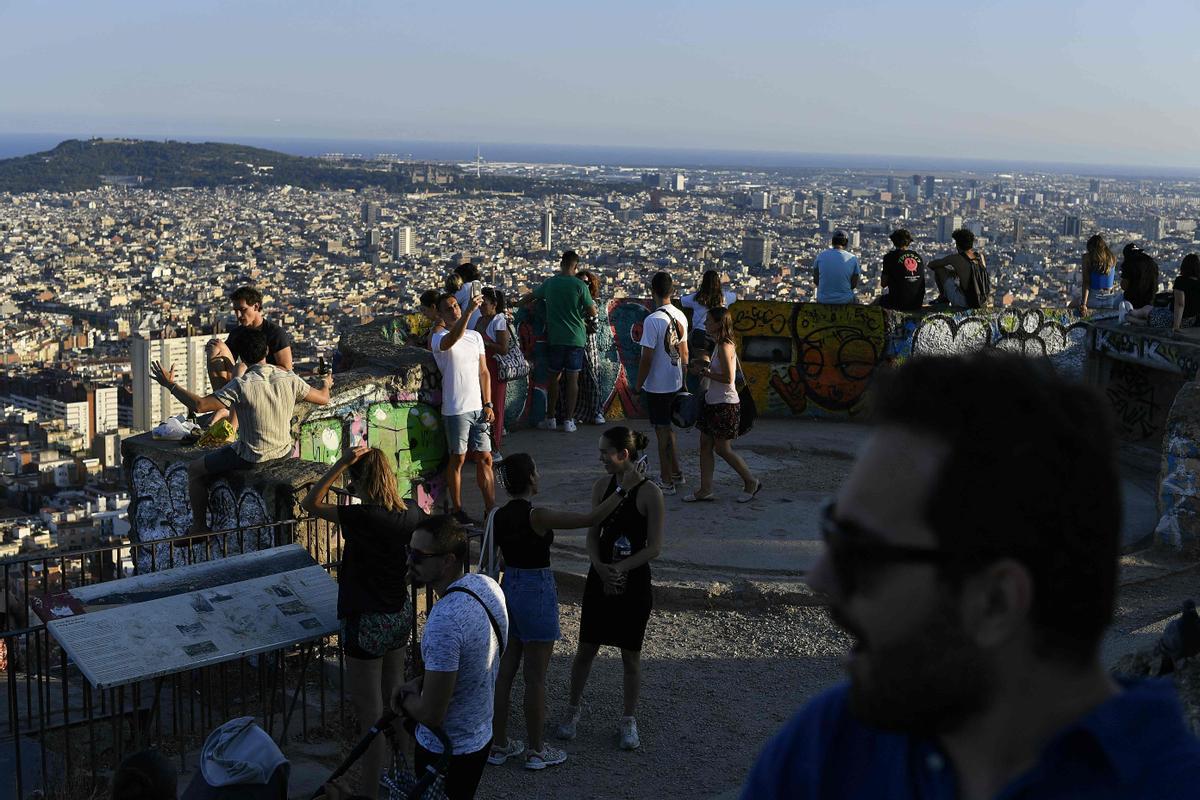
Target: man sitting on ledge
{"points": [[972, 556], [264, 398]]}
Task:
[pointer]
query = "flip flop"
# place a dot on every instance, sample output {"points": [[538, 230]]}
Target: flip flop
{"points": [[696, 497], [746, 497]]}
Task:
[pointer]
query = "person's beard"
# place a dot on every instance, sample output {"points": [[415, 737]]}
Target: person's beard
{"points": [[927, 684]]}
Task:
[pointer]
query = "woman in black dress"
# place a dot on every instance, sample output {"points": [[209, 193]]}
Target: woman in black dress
{"points": [[617, 597], [373, 597]]}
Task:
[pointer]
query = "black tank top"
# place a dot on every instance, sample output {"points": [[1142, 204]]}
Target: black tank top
{"points": [[519, 543]]}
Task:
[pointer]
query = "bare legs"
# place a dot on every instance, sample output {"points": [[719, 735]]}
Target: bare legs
{"points": [[571, 379], [536, 663], [454, 465], [484, 477], [631, 660], [552, 395], [371, 681], [668, 455], [724, 448]]}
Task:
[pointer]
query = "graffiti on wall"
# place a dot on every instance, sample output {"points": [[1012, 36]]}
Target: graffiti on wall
{"points": [[1131, 393], [411, 437], [321, 440]]}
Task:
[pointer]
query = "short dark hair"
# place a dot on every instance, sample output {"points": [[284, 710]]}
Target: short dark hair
{"points": [[448, 535], [840, 238], [496, 296], [1190, 266], [467, 271], [517, 471], [429, 297], [252, 345], [1030, 474], [963, 239], [569, 259], [661, 284], [248, 295], [901, 238]]}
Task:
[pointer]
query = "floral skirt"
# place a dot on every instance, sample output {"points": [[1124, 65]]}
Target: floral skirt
{"points": [[720, 420]]}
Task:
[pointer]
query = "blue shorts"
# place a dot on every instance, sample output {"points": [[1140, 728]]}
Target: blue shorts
{"points": [[225, 459], [467, 433], [532, 600], [564, 358]]}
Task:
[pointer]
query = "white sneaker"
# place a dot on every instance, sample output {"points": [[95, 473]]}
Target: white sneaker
{"points": [[1124, 308], [667, 487], [500, 754], [569, 426], [548, 424], [548, 757], [629, 734], [599, 420], [569, 726]]}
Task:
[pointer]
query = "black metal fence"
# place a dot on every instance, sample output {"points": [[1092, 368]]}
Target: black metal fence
{"points": [[62, 736]]}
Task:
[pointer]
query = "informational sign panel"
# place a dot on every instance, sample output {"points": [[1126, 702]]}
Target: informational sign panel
{"points": [[129, 643]]}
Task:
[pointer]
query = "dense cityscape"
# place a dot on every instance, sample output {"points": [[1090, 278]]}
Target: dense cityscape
{"points": [[89, 275]]}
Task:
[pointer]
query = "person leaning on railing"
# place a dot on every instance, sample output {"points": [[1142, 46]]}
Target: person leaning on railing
{"points": [[372, 595]]}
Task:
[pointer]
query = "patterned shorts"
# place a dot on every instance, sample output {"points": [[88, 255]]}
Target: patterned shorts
{"points": [[374, 634]]}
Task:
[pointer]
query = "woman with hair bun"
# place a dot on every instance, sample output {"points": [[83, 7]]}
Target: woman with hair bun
{"points": [[524, 534], [617, 597]]}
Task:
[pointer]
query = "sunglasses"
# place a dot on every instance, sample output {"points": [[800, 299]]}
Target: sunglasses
{"points": [[858, 555], [419, 556]]}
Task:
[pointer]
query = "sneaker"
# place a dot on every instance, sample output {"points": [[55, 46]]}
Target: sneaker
{"points": [[599, 420], [1124, 308], [667, 487], [548, 757], [679, 479], [548, 424], [569, 726], [629, 734], [463, 517], [500, 754], [569, 426]]}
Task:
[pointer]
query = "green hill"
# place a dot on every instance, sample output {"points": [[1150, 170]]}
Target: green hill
{"points": [[75, 165]]}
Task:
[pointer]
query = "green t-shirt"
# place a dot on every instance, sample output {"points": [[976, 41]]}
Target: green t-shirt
{"points": [[566, 297]]}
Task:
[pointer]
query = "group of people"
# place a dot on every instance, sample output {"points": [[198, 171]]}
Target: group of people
{"points": [[1131, 288]]}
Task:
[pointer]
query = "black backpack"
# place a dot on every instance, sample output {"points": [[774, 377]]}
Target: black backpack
{"points": [[978, 291]]}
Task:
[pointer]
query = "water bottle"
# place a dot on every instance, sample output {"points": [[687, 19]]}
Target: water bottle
{"points": [[622, 549]]}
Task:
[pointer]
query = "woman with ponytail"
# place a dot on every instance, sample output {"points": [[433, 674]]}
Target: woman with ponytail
{"points": [[524, 533], [617, 598], [373, 596]]}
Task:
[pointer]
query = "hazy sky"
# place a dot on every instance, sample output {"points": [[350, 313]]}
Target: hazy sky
{"points": [[1108, 81]]}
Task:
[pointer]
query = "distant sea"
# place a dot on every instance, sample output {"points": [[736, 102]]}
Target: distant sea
{"points": [[20, 144]]}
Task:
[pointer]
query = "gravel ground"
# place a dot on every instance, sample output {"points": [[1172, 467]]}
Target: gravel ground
{"points": [[715, 685]]}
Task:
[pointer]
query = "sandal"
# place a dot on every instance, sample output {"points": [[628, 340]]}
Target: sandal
{"points": [[696, 497], [746, 497]]}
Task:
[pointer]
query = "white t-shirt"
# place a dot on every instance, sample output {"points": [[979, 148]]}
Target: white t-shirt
{"points": [[461, 392], [664, 376], [463, 296], [700, 311], [459, 638], [498, 323]]}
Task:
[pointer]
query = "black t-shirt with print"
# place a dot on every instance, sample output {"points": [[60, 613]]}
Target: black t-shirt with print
{"points": [[276, 340], [374, 564], [905, 279]]}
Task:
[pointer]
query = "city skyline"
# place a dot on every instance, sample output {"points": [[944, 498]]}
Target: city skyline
{"points": [[1079, 83]]}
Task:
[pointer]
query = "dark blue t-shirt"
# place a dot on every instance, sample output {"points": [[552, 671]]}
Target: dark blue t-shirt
{"points": [[1135, 745]]}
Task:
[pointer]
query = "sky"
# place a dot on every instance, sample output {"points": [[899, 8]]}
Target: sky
{"points": [[1103, 82]]}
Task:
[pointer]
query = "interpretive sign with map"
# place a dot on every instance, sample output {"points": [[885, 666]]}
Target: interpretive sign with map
{"points": [[129, 643]]}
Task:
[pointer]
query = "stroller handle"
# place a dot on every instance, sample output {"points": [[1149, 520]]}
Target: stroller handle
{"points": [[381, 724]]}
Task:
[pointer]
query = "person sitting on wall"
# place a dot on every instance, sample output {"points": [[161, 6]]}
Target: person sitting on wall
{"points": [[264, 397], [227, 359], [953, 273], [836, 272], [902, 277], [1139, 283]]}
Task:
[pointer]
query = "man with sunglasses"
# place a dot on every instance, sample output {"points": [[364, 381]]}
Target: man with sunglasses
{"points": [[463, 639], [972, 557]]}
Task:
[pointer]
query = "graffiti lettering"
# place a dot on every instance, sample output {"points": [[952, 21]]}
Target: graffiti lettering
{"points": [[1131, 394], [769, 318]]}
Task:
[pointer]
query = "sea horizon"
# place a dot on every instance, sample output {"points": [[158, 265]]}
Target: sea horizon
{"points": [[14, 145]]}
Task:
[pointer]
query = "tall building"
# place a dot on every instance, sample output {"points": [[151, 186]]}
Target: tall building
{"points": [[404, 244], [1094, 186], [820, 198], [153, 403], [370, 213], [947, 225], [916, 187], [760, 201], [1155, 228], [679, 182], [930, 186], [88, 410], [1071, 226], [893, 184], [756, 250], [1018, 231], [547, 229]]}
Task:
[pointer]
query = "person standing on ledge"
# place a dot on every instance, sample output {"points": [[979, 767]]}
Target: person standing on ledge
{"points": [[836, 272], [975, 670], [568, 302], [264, 398], [467, 408]]}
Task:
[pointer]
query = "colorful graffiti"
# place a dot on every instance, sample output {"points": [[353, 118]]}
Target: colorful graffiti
{"points": [[410, 435], [321, 440]]}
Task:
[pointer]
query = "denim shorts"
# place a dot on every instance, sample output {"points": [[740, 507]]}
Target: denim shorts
{"points": [[564, 358], [467, 433], [532, 600], [225, 459]]}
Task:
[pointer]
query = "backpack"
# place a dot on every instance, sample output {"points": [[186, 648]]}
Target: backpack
{"points": [[978, 290]]}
